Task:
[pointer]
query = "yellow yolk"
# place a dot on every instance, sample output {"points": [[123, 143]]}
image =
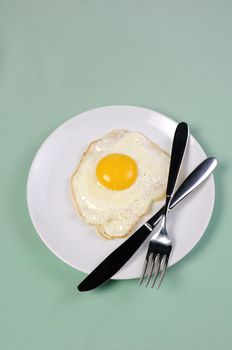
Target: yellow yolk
{"points": [[116, 171]]}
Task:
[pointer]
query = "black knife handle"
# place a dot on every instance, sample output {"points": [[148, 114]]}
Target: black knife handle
{"points": [[178, 149]]}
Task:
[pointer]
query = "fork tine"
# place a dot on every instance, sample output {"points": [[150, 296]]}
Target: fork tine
{"points": [[156, 269], [164, 264], [143, 271], [146, 265], [151, 268]]}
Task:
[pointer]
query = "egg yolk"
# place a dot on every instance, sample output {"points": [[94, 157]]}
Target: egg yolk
{"points": [[116, 171]]}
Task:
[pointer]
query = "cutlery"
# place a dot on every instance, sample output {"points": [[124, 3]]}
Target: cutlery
{"points": [[160, 245], [115, 260]]}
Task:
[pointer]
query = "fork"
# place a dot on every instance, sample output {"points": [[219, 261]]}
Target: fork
{"points": [[160, 245]]}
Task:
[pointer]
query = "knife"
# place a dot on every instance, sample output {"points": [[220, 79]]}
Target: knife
{"points": [[113, 262]]}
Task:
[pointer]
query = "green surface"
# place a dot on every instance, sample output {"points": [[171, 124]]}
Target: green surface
{"points": [[59, 58]]}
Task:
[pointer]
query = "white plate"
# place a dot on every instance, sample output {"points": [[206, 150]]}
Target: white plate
{"points": [[49, 199]]}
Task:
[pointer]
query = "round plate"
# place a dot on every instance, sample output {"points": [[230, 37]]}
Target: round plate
{"points": [[49, 198]]}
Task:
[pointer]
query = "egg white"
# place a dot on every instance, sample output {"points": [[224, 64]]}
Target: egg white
{"points": [[114, 213]]}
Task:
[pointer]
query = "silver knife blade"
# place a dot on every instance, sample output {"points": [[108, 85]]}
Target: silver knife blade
{"points": [[114, 261]]}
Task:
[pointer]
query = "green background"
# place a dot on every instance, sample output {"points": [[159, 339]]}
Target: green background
{"points": [[59, 58]]}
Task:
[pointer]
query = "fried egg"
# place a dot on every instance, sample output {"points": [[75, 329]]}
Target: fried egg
{"points": [[117, 180]]}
